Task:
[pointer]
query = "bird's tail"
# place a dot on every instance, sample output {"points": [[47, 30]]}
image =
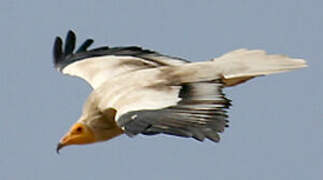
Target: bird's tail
{"points": [[237, 66]]}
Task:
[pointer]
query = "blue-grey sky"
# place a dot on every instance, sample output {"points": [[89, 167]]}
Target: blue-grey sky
{"points": [[275, 121]]}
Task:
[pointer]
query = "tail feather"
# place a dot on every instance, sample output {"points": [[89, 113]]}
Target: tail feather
{"points": [[234, 67], [243, 64]]}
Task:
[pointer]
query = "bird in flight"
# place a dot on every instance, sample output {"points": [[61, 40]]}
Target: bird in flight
{"points": [[139, 91]]}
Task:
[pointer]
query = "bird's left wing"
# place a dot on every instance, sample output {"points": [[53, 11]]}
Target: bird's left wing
{"points": [[100, 64]]}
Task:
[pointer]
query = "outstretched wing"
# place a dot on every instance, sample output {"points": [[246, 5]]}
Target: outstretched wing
{"points": [[100, 64], [199, 114]]}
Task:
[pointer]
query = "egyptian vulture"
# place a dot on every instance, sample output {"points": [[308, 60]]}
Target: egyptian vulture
{"points": [[139, 91]]}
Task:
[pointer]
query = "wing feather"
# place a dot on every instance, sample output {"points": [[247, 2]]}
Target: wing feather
{"points": [[100, 64], [57, 50], [69, 43], [85, 45], [199, 114]]}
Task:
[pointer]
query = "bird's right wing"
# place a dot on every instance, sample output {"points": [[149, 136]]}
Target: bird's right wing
{"points": [[187, 100], [200, 113]]}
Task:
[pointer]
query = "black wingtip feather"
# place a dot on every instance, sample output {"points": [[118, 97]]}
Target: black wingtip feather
{"points": [[85, 45], [66, 56], [57, 50], [69, 43]]}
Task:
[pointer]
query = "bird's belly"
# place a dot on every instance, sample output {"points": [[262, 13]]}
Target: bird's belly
{"points": [[137, 91]]}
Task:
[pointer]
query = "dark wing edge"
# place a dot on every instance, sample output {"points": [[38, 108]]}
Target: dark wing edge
{"points": [[200, 114], [63, 58]]}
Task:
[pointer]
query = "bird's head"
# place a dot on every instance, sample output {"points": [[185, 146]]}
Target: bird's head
{"points": [[100, 128], [79, 133]]}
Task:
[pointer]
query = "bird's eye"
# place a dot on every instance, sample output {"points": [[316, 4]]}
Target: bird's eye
{"points": [[79, 129]]}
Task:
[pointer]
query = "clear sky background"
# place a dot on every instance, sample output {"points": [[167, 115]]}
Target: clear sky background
{"points": [[276, 122]]}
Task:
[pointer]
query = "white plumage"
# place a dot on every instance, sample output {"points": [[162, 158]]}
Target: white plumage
{"points": [[151, 93]]}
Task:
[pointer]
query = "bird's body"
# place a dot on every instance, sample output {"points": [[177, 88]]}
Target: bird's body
{"points": [[141, 91]]}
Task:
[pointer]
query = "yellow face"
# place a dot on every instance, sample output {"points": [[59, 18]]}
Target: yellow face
{"points": [[78, 134]]}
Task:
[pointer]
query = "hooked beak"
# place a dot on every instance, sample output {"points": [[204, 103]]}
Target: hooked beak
{"points": [[62, 143], [65, 140], [78, 134], [59, 146]]}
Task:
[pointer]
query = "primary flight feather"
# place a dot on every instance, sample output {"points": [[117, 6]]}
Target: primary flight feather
{"points": [[139, 91]]}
